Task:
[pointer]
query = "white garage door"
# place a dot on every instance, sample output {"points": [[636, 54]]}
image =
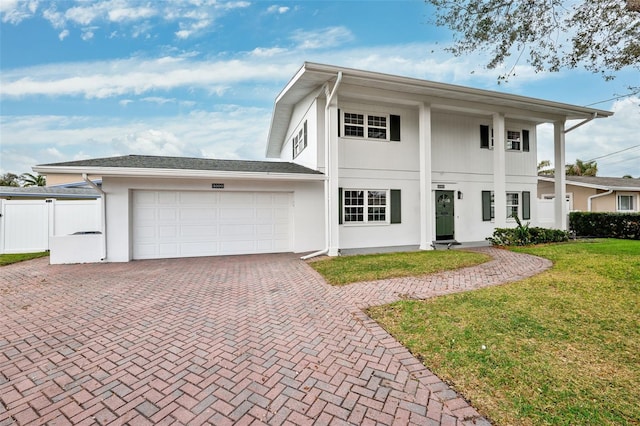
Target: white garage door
{"points": [[193, 223]]}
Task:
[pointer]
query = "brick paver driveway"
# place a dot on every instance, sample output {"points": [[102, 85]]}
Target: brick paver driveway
{"points": [[244, 340]]}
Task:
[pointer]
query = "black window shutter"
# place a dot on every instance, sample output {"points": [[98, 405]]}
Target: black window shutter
{"points": [[526, 205], [394, 122], [340, 206], [305, 134], [339, 125], [484, 136], [486, 206], [525, 140], [396, 206]]}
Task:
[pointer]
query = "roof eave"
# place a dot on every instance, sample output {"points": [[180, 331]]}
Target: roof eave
{"points": [[178, 173]]}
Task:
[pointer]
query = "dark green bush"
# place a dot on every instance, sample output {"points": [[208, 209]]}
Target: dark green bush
{"points": [[523, 235], [605, 225]]}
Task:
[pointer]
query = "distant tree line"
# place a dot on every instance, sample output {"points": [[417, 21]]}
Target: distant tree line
{"points": [[579, 168], [25, 179]]}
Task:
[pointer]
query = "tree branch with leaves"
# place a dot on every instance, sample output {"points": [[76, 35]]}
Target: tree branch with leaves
{"points": [[603, 36]]}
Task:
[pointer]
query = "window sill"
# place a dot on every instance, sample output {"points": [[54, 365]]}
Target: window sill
{"points": [[365, 224]]}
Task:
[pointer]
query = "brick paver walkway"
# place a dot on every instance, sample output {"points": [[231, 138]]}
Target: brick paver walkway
{"points": [[226, 340]]}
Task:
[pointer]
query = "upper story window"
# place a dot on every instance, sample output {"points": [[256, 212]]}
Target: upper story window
{"points": [[513, 140], [299, 141], [381, 127], [516, 140], [626, 203]]}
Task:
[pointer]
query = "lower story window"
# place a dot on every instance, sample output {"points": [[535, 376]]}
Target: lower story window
{"points": [[625, 203], [518, 204], [513, 202], [365, 206]]}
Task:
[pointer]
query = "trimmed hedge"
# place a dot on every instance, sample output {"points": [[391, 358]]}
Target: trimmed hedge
{"points": [[523, 235], [605, 225]]}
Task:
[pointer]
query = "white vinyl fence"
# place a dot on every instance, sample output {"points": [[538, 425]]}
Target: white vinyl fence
{"points": [[26, 225], [546, 213]]}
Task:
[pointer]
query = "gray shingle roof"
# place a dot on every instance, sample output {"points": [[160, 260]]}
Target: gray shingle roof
{"points": [[609, 182], [47, 192], [186, 163]]}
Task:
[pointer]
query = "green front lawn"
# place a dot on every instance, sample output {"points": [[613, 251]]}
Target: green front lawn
{"points": [[6, 259], [350, 269], [562, 347]]}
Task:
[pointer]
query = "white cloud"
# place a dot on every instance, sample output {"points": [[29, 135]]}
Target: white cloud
{"points": [[268, 52], [63, 34], [192, 16], [134, 76], [600, 137], [150, 141], [87, 34], [229, 131], [323, 38], [56, 18], [131, 13], [278, 9], [15, 11], [157, 100]]}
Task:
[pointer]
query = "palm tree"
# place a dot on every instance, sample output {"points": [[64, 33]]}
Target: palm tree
{"points": [[582, 168], [9, 179], [544, 168], [32, 180]]}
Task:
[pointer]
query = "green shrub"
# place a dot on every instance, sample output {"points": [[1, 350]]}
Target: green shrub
{"points": [[523, 235], [605, 225]]}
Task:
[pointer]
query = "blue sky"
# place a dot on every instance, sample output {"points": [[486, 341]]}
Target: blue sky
{"points": [[85, 79]]}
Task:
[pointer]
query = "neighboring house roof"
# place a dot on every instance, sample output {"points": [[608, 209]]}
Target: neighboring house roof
{"points": [[598, 182], [312, 77], [46, 192], [81, 184], [155, 166]]}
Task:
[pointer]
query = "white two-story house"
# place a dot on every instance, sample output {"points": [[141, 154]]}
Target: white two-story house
{"points": [[365, 160]]}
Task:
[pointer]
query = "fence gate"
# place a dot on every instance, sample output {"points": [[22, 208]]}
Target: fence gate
{"points": [[26, 225]]}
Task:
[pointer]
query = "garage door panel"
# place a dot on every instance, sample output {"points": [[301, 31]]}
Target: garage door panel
{"points": [[197, 198], [237, 214], [145, 197], [231, 198], [198, 214], [167, 197], [198, 223], [169, 214], [142, 214], [200, 232], [142, 233], [168, 250], [167, 231], [237, 231]]}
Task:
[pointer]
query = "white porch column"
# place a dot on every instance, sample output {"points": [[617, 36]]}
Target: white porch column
{"points": [[499, 172], [560, 177], [426, 202], [331, 120]]}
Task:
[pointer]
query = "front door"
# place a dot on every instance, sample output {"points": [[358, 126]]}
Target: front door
{"points": [[444, 215]]}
